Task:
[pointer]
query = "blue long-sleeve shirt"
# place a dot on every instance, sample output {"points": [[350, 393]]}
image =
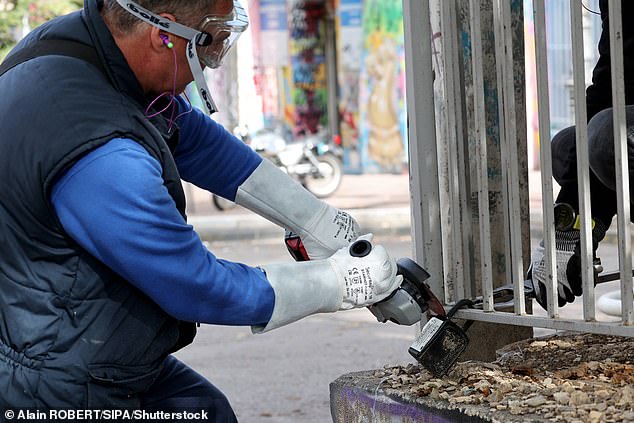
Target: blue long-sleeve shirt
{"points": [[113, 203]]}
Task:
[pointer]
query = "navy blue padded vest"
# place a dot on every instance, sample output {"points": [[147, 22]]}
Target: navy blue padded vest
{"points": [[73, 333]]}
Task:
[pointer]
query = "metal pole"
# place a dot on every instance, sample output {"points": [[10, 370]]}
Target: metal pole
{"points": [[331, 78], [423, 159], [456, 172], [583, 171], [504, 55], [545, 157], [621, 159], [481, 147]]}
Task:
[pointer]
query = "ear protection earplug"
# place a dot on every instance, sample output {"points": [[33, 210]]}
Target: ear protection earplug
{"points": [[166, 41]]}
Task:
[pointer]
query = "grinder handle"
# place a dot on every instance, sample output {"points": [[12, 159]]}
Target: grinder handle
{"points": [[360, 248]]}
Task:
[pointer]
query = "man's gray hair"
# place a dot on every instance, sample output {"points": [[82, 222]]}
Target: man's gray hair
{"points": [[187, 12]]}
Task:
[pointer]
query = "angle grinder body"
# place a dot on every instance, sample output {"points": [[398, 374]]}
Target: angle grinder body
{"points": [[441, 341], [407, 304]]}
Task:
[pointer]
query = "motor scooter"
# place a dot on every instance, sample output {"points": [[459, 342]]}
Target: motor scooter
{"points": [[314, 160]]}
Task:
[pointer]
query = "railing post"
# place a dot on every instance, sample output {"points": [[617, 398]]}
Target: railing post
{"points": [[550, 270], [583, 170], [621, 158], [423, 158]]}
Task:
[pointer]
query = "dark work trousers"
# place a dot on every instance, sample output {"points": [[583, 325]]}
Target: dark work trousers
{"points": [[179, 388], [602, 166]]}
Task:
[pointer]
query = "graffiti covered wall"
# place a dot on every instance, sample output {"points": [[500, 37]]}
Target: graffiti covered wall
{"points": [[349, 52], [270, 54], [382, 88], [308, 64], [291, 69]]}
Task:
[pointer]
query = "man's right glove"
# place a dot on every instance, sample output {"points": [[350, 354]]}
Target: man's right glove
{"points": [[340, 282], [568, 262]]}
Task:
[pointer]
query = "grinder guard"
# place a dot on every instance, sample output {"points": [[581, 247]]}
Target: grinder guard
{"points": [[411, 300]]}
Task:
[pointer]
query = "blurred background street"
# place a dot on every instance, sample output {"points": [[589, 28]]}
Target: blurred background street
{"points": [[334, 68]]}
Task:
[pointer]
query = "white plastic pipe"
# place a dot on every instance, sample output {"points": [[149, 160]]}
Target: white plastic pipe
{"points": [[610, 303]]}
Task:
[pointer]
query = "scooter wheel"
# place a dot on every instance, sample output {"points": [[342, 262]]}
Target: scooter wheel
{"points": [[327, 179]]}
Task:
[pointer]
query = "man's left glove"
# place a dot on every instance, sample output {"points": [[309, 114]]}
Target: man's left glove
{"points": [[277, 197]]}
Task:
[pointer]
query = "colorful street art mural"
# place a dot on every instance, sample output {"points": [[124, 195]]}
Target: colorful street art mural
{"points": [[382, 88], [290, 74], [349, 19], [308, 64]]}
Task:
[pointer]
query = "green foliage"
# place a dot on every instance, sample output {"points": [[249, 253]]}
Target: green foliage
{"points": [[35, 12]]}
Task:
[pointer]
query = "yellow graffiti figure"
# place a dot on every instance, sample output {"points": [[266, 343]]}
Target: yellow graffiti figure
{"points": [[384, 140]]}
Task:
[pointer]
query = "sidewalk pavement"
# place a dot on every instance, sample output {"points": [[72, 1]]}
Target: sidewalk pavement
{"points": [[379, 202]]}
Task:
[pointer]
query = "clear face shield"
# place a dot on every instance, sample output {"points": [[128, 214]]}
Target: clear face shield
{"points": [[207, 45]]}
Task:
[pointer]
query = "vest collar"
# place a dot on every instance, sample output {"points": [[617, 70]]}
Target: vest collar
{"points": [[120, 73]]}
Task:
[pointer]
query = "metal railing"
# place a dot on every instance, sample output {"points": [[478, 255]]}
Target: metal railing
{"points": [[427, 133]]}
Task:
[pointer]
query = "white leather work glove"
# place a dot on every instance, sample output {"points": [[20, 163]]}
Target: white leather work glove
{"points": [[341, 282], [330, 230], [366, 280], [282, 200]]}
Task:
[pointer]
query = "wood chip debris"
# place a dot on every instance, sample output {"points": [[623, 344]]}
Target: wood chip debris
{"points": [[563, 378]]}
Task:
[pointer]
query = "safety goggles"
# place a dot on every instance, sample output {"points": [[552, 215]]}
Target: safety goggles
{"points": [[208, 45], [224, 31]]}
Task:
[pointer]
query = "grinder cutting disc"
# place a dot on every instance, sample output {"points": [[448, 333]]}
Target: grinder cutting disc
{"points": [[417, 275], [435, 306], [411, 300]]}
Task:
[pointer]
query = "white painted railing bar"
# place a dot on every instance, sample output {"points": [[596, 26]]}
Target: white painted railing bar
{"points": [[583, 168], [621, 158], [481, 149], [499, 70], [543, 100], [508, 133], [423, 162], [606, 328], [451, 126]]}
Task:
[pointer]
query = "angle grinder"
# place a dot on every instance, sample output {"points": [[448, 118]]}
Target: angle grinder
{"points": [[441, 341], [407, 304]]}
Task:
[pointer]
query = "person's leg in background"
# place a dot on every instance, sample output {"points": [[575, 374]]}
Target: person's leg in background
{"points": [[564, 157], [568, 239], [601, 151], [179, 388]]}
